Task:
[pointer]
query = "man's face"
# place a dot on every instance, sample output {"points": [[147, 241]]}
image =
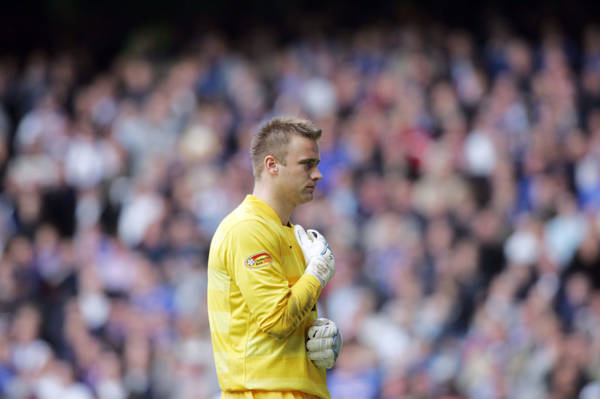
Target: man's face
{"points": [[298, 177]]}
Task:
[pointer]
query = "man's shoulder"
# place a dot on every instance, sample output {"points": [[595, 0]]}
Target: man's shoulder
{"points": [[241, 219], [243, 227]]}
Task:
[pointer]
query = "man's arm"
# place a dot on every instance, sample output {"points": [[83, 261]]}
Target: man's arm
{"points": [[258, 272]]}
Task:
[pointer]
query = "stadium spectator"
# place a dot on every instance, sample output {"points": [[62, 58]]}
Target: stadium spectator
{"points": [[461, 195]]}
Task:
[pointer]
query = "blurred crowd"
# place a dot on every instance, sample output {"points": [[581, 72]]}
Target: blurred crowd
{"points": [[461, 196]]}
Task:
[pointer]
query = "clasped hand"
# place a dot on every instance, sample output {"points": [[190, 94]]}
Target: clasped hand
{"points": [[324, 342], [317, 254]]}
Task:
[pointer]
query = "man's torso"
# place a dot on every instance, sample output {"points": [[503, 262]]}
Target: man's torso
{"points": [[247, 358]]}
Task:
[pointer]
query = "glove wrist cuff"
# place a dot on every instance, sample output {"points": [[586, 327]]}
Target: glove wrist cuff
{"points": [[315, 275], [318, 267]]}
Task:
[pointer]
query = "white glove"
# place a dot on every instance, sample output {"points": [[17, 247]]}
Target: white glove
{"points": [[323, 343], [317, 254]]}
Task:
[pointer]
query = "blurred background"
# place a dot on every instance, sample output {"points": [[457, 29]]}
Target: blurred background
{"points": [[461, 155]]}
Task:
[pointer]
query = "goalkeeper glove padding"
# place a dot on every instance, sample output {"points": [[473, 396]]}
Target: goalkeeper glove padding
{"points": [[317, 254], [323, 343]]}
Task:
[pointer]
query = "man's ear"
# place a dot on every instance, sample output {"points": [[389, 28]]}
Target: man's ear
{"points": [[271, 165]]}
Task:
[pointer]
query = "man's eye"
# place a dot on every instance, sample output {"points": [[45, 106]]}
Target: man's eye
{"points": [[310, 164]]}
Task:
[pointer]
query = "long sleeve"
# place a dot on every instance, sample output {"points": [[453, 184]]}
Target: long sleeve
{"points": [[258, 262]]}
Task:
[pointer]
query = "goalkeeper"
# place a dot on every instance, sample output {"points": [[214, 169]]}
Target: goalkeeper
{"points": [[265, 276]]}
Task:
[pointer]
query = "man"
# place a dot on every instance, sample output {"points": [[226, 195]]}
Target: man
{"points": [[265, 276]]}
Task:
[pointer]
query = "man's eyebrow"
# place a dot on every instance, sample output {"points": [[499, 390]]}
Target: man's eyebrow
{"points": [[310, 161]]}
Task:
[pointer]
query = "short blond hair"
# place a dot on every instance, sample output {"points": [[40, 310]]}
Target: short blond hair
{"points": [[273, 138]]}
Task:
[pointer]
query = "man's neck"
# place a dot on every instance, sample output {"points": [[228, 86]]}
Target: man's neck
{"points": [[268, 196]]}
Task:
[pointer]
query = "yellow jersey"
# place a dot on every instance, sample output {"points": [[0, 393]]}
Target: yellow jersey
{"points": [[260, 306]]}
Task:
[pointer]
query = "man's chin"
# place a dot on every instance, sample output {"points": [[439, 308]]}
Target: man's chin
{"points": [[307, 197]]}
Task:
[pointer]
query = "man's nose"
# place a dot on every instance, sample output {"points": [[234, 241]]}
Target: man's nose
{"points": [[316, 174]]}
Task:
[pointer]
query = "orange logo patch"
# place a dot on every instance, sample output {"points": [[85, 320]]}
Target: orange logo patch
{"points": [[259, 260]]}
